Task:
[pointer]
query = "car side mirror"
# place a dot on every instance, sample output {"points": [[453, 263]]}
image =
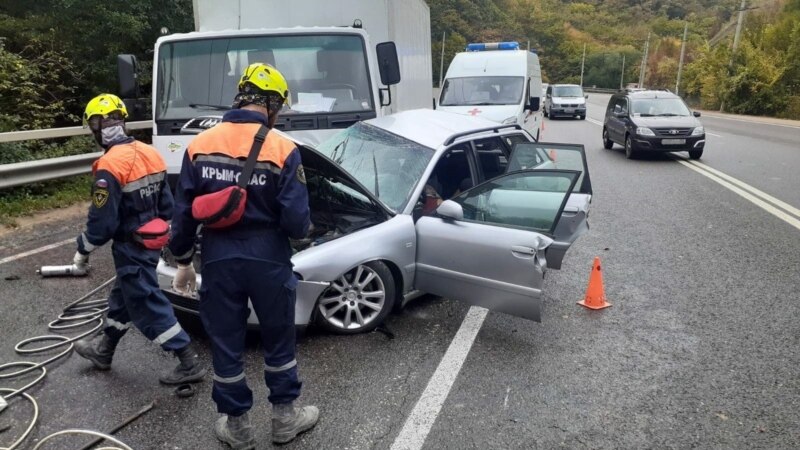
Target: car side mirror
{"points": [[450, 210], [620, 114], [534, 103], [696, 113], [586, 96], [388, 63], [434, 103]]}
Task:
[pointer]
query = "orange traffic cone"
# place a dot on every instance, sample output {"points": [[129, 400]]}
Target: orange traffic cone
{"points": [[595, 293]]}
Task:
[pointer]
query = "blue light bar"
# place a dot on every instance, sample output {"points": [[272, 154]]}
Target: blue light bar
{"points": [[492, 46]]}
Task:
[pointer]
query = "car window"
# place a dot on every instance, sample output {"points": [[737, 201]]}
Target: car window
{"points": [[529, 199], [513, 139], [451, 176], [552, 156], [492, 157]]}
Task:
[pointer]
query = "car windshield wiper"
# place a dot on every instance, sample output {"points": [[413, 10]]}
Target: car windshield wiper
{"points": [[668, 115], [480, 104], [375, 165], [205, 106], [646, 115], [343, 146]]}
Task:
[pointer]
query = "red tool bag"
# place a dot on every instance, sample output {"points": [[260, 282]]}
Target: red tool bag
{"points": [[153, 235], [224, 208]]}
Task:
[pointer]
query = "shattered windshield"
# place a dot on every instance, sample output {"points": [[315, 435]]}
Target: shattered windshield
{"points": [[326, 73], [388, 165]]}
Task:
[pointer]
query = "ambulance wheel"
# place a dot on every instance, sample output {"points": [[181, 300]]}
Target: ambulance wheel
{"points": [[358, 301]]}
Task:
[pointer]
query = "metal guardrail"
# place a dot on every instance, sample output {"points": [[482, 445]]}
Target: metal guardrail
{"points": [[600, 90], [18, 174], [49, 133]]}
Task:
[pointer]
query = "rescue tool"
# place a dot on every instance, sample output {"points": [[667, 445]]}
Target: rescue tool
{"points": [[69, 270]]}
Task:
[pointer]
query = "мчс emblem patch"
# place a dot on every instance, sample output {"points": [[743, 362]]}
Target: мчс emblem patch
{"points": [[301, 174], [100, 197], [101, 183]]}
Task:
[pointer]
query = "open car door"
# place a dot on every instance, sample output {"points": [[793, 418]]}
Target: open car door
{"points": [[486, 246], [574, 219]]}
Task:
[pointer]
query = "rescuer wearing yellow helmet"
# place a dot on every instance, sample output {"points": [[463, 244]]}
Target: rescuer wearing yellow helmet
{"points": [[250, 258]]}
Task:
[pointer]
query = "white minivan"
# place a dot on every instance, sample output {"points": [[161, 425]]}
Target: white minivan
{"points": [[497, 81]]}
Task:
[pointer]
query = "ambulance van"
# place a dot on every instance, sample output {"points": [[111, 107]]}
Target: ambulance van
{"points": [[497, 81]]}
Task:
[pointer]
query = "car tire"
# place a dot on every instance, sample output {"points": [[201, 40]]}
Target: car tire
{"points": [[608, 144], [695, 154], [342, 309], [630, 151], [544, 111]]}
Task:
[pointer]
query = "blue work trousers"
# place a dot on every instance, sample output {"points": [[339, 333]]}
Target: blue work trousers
{"points": [[136, 298], [226, 287]]}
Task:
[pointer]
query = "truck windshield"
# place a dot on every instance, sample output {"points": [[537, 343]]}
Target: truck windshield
{"points": [[388, 165], [326, 73], [567, 91], [482, 91]]}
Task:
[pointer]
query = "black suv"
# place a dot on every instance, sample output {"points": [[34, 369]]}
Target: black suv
{"points": [[652, 121]]}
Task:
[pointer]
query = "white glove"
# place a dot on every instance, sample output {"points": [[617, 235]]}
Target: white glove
{"points": [[185, 280], [81, 261]]}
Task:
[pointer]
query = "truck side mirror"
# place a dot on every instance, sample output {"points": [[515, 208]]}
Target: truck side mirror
{"points": [[534, 103], [388, 63], [696, 113], [126, 73]]}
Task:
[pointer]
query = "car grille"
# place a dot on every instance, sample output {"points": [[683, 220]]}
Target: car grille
{"points": [[673, 131], [570, 105]]}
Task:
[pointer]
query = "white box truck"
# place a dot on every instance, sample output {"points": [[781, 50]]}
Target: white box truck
{"points": [[327, 51], [498, 81]]}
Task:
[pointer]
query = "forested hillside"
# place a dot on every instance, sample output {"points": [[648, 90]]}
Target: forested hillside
{"points": [[764, 77]]}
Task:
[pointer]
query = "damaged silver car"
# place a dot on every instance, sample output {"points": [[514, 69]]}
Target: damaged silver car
{"points": [[430, 202]]}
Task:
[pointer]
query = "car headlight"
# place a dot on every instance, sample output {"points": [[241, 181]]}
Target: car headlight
{"points": [[510, 120], [644, 131], [699, 131]]}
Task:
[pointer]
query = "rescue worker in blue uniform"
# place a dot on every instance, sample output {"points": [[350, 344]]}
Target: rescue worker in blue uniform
{"points": [[130, 191], [249, 259]]}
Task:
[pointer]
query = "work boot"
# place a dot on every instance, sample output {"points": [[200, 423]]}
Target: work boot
{"points": [[235, 431], [187, 371], [98, 349], [288, 422]]}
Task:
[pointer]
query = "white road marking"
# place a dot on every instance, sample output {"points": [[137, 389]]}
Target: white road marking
{"points": [[424, 414], [763, 195], [752, 198], [712, 134], [36, 250], [596, 122], [505, 401]]}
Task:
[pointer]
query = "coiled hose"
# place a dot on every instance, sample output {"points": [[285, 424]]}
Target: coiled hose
{"points": [[80, 313]]}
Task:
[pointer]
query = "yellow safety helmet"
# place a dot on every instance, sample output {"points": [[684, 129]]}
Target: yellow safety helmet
{"points": [[265, 78], [103, 105]]}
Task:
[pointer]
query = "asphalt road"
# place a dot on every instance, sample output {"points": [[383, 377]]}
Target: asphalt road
{"points": [[701, 348]]}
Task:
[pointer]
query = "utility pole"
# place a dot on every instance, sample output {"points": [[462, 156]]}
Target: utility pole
{"points": [[622, 73], [583, 60], [680, 62], [441, 63], [643, 68], [736, 38]]}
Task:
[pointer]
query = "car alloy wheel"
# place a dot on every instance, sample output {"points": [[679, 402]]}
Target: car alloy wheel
{"points": [[358, 301]]}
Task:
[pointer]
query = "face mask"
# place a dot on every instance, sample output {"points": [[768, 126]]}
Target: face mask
{"points": [[110, 132]]}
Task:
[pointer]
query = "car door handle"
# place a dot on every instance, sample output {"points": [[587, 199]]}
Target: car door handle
{"points": [[522, 250]]}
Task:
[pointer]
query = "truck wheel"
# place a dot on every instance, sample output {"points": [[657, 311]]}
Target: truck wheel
{"points": [[607, 143]]}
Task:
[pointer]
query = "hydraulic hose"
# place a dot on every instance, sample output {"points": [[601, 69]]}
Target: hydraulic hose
{"points": [[82, 312]]}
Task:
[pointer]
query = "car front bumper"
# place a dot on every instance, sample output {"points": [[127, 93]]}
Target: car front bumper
{"points": [[560, 111], [669, 144], [307, 294]]}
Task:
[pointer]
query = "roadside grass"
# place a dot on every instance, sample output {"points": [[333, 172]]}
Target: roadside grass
{"points": [[27, 200]]}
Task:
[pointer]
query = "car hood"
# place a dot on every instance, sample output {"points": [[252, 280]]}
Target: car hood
{"points": [[571, 100], [316, 161], [496, 113], [312, 159], [666, 122]]}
